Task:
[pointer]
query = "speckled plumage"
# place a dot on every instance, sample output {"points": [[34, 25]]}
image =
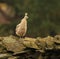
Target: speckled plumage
{"points": [[21, 28]]}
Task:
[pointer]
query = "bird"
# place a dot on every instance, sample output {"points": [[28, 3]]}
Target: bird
{"points": [[21, 28]]}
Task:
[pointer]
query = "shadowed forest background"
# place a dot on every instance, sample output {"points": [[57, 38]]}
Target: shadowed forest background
{"points": [[44, 17]]}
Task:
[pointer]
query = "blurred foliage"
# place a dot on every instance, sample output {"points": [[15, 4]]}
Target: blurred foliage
{"points": [[44, 16]]}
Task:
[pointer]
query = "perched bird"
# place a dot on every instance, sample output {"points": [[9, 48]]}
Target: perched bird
{"points": [[21, 28]]}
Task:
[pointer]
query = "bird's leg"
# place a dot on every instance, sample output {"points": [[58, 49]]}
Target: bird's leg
{"points": [[23, 37], [20, 37]]}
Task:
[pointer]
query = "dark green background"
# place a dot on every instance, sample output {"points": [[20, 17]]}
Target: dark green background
{"points": [[44, 17]]}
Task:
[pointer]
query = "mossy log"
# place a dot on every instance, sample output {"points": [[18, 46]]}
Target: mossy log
{"points": [[36, 46], [14, 44]]}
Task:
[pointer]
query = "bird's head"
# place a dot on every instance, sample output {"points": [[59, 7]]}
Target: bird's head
{"points": [[26, 15]]}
